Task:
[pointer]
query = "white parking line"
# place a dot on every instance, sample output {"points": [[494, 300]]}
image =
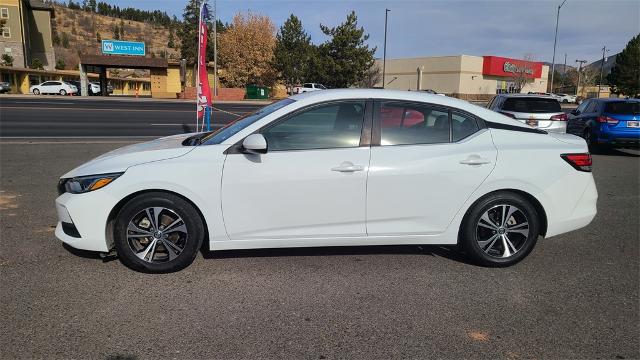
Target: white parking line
{"points": [[43, 102]]}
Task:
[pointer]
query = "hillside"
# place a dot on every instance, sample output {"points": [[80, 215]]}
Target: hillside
{"points": [[75, 32]]}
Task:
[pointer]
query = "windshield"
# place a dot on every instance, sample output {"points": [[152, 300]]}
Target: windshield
{"points": [[532, 105], [233, 128], [622, 108]]}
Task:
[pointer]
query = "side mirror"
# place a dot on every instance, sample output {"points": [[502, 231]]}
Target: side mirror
{"points": [[255, 144], [575, 112]]}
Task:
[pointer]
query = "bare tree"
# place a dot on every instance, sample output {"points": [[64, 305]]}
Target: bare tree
{"points": [[371, 77], [522, 72]]}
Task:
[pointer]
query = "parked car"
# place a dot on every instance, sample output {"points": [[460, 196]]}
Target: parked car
{"points": [[4, 87], [53, 87], [566, 98], [308, 87], [323, 169], [607, 122], [538, 111], [95, 87]]}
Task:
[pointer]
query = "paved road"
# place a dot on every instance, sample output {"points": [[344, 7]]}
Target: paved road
{"points": [[576, 296], [55, 116]]}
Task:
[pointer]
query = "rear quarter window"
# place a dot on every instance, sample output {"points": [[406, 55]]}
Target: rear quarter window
{"points": [[622, 108], [532, 105]]}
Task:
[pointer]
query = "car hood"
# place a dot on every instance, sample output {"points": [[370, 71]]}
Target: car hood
{"points": [[121, 159]]}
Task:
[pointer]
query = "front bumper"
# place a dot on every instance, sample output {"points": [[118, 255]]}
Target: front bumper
{"points": [[82, 220]]}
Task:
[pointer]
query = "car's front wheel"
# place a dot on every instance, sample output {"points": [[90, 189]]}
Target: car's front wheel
{"points": [[158, 233], [63, 92], [500, 229]]}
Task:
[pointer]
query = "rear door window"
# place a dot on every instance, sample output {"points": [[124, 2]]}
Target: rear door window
{"points": [[622, 108], [412, 123], [531, 105]]}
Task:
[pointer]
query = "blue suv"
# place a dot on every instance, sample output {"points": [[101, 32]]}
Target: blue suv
{"points": [[612, 122]]}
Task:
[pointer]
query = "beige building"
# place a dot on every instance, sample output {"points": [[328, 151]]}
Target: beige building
{"points": [[465, 76], [26, 34]]}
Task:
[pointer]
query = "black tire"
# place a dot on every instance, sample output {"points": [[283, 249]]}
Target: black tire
{"points": [[470, 231], [172, 203], [36, 92], [63, 92], [592, 143]]}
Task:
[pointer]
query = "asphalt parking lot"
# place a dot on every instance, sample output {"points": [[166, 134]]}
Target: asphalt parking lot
{"points": [[575, 296]]}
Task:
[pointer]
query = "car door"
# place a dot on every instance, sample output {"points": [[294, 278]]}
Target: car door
{"points": [[311, 183], [428, 161], [46, 87], [575, 123]]}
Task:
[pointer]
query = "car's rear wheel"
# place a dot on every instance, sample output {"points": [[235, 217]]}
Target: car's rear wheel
{"points": [[63, 92], [36, 92], [591, 140], [500, 229], [158, 233]]}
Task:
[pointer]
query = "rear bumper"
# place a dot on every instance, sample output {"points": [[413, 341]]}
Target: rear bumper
{"points": [[620, 138], [582, 214]]}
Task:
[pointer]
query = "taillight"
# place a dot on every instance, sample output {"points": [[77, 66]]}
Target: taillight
{"points": [[608, 120], [561, 117], [507, 114], [580, 162]]}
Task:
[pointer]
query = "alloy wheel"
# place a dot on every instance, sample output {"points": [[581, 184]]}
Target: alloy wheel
{"points": [[157, 235], [502, 231]]}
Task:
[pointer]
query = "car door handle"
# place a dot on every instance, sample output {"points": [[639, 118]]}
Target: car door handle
{"points": [[475, 160], [348, 166]]}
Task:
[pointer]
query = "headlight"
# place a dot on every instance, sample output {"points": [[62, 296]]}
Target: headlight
{"points": [[83, 184]]}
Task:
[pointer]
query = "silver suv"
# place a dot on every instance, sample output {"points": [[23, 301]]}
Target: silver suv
{"points": [[540, 111]]}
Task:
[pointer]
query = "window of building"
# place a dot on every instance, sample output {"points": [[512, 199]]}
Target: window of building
{"points": [[413, 123], [4, 13], [6, 32], [146, 86], [335, 125], [8, 78]]}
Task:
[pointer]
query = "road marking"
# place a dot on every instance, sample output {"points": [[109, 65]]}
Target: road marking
{"points": [[125, 110]]}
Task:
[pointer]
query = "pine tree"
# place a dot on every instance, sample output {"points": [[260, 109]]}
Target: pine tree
{"points": [[98, 37], [121, 29], [345, 58], [116, 32], [625, 75], [188, 33], [291, 54], [171, 41]]}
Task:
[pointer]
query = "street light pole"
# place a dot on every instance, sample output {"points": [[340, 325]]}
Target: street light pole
{"points": [[555, 41], [384, 56], [604, 49], [579, 71]]}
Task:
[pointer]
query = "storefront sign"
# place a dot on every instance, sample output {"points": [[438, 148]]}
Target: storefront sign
{"points": [[499, 66]]}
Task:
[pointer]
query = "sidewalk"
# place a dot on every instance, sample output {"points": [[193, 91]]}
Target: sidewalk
{"points": [[123, 98]]}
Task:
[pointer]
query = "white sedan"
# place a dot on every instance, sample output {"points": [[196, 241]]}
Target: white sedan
{"points": [[334, 168], [53, 87]]}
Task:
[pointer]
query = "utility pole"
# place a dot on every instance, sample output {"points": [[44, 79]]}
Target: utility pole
{"points": [[580, 62], [555, 41], [384, 56], [604, 50]]}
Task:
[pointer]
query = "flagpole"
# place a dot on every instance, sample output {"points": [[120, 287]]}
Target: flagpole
{"points": [[198, 67]]}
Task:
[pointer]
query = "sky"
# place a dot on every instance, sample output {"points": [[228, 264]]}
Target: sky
{"points": [[510, 28]]}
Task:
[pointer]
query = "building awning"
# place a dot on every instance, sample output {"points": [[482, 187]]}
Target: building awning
{"points": [[127, 62]]}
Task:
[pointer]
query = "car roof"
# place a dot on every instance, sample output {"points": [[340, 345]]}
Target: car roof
{"points": [[537, 96], [614, 99], [313, 97]]}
